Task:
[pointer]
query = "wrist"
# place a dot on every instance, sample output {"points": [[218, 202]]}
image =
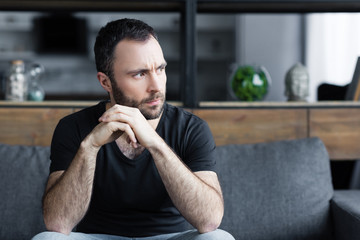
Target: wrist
{"points": [[88, 145], [157, 145]]}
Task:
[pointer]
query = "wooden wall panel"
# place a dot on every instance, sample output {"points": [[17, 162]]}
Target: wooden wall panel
{"points": [[230, 126], [29, 126], [339, 129]]}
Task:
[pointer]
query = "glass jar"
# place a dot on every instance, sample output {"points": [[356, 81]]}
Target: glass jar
{"points": [[16, 82], [36, 92]]}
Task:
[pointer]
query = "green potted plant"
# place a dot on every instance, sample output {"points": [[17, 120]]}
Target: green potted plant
{"points": [[250, 83]]}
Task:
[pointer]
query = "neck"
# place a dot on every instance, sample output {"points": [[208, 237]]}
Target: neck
{"points": [[154, 122]]}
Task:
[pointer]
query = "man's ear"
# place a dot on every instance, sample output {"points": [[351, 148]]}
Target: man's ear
{"points": [[104, 81]]}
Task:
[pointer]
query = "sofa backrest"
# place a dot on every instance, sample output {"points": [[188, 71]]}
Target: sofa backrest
{"points": [[23, 172], [278, 190]]}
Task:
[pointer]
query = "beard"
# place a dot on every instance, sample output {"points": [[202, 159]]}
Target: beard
{"points": [[149, 113]]}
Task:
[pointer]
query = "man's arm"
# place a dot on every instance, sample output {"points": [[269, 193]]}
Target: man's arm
{"points": [[196, 195], [68, 193]]}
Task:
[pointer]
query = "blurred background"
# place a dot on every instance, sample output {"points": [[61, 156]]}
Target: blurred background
{"points": [[326, 43]]}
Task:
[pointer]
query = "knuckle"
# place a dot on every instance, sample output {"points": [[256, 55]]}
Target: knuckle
{"points": [[110, 124]]}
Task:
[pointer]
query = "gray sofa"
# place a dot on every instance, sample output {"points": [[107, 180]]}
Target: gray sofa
{"points": [[279, 190]]}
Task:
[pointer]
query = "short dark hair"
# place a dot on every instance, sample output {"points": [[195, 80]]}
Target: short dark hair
{"points": [[111, 34]]}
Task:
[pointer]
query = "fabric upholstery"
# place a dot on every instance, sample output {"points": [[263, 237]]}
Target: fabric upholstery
{"points": [[279, 190], [346, 212], [24, 171]]}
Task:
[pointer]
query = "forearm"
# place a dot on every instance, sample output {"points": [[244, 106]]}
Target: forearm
{"points": [[199, 202], [66, 200], [197, 198]]}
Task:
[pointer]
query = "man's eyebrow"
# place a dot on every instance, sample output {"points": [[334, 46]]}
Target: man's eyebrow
{"points": [[135, 71], [162, 65], [143, 70]]}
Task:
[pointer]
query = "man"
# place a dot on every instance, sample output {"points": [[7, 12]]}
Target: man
{"points": [[133, 166]]}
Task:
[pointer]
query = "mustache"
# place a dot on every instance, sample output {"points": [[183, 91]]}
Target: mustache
{"points": [[153, 97]]}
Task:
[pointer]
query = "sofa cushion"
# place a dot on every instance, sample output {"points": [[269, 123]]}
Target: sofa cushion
{"points": [[346, 211], [278, 190], [24, 171]]}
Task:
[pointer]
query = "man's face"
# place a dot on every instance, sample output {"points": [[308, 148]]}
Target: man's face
{"points": [[139, 76]]}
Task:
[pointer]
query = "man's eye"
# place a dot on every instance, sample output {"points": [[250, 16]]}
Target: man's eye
{"points": [[160, 70], [139, 75]]}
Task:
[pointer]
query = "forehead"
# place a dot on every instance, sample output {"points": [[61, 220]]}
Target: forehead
{"points": [[130, 53]]}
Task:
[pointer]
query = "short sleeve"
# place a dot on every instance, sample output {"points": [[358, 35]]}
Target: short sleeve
{"points": [[200, 147], [69, 133], [64, 145]]}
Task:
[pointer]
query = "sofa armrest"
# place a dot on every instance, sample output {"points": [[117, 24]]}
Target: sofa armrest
{"points": [[345, 209]]}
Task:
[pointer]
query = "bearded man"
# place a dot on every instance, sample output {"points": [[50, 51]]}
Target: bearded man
{"points": [[133, 166]]}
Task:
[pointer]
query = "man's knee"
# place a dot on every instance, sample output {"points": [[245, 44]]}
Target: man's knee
{"points": [[59, 236], [195, 235], [50, 236], [216, 235]]}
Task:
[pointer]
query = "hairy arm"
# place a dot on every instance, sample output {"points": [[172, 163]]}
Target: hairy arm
{"points": [[196, 195], [68, 193]]}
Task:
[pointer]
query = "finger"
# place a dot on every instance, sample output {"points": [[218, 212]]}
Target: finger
{"points": [[133, 144], [127, 129], [115, 117], [118, 113]]}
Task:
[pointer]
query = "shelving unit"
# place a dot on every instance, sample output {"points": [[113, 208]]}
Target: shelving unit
{"points": [[188, 10], [261, 121]]}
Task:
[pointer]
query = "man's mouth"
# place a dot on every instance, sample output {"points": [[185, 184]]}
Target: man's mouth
{"points": [[153, 102]]}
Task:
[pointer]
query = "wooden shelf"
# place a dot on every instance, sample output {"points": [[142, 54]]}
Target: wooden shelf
{"points": [[55, 104], [337, 124], [31, 104], [202, 105], [320, 104]]}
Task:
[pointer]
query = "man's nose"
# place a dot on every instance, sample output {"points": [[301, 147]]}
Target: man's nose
{"points": [[154, 83]]}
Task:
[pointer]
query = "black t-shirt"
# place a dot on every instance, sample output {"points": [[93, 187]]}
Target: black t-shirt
{"points": [[129, 197]]}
